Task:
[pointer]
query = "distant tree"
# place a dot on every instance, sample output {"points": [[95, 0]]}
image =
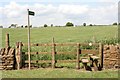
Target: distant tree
{"points": [[26, 26], [45, 25], [1, 26], [12, 24], [115, 23], [69, 24], [119, 24], [84, 24], [90, 25], [51, 25], [21, 26], [30, 26]]}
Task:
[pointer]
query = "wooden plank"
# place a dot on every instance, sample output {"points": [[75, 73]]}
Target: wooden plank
{"points": [[36, 44], [65, 44], [38, 52], [44, 44], [65, 61], [65, 52], [60, 44], [87, 44], [94, 57], [38, 61], [85, 60], [89, 51]]}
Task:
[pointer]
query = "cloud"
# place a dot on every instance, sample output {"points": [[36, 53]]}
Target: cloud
{"points": [[73, 9], [109, 1], [57, 14]]}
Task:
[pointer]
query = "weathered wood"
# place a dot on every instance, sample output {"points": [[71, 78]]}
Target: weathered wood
{"points": [[38, 53], [65, 61], [7, 40], [83, 51], [65, 52], [38, 61], [95, 64], [59, 44], [36, 44], [101, 54], [85, 60], [94, 57], [78, 56], [16, 54], [53, 54], [20, 54]]}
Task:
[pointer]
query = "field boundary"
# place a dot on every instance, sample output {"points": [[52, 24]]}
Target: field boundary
{"points": [[53, 45]]}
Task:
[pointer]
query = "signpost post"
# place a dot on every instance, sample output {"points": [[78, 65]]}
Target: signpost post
{"points": [[29, 13]]}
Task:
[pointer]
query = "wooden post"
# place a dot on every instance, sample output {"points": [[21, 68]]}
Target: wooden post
{"points": [[53, 54], [78, 57], [20, 54], [7, 40], [28, 39], [16, 54], [101, 54]]}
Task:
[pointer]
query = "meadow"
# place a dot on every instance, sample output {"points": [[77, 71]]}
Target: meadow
{"points": [[59, 73], [61, 35]]}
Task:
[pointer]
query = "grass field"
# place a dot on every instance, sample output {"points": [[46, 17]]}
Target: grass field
{"points": [[61, 34], [59, 73]]}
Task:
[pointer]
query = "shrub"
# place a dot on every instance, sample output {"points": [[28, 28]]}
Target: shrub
{"points": [[45, 25], [90, 25], [69, 24], [115, 23], [84, 24]]}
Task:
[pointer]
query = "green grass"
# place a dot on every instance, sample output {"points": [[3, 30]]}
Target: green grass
{"points": [[61, 34], [58, 73]]}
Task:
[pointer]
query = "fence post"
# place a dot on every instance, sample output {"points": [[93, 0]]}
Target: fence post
{"points": [[20, 54], [101, 54], [7, 40], [17, 54], [53, 54], [78, 57]]}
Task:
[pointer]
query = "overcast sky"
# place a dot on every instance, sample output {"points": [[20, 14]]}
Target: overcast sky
{"points": [[58, 12]]}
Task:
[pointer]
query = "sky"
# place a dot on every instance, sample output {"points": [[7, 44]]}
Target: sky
{"points": [[58, 12]]}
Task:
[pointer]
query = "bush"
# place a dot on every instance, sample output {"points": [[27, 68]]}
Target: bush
{"points": [[69, 24], [45, 25], [51, 25], [90, 25], [84, 24], [114, 23]]}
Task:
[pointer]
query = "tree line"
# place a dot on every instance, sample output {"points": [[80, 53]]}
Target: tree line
{"points": [[68, 24]]}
